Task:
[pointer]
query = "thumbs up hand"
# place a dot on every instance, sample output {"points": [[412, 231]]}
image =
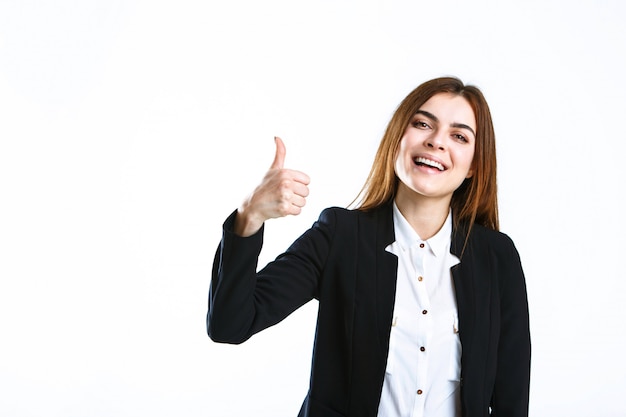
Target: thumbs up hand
{"points": [[281, 192]]}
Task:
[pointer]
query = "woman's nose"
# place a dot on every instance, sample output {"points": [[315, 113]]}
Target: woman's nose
{"points": [[436, 141]]}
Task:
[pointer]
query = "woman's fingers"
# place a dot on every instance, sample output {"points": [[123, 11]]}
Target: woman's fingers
{"points": [[290, 192], [300, 190]]}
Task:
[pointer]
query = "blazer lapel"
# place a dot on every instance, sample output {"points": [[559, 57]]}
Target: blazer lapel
{"points": [[386, 275], [464, 284]]}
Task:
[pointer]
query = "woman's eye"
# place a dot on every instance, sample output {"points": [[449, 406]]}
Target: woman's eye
{"points": [[421, 125], [460, 137]]}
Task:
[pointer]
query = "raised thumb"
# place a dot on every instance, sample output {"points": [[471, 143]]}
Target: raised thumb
{"points": [[279, 158]]}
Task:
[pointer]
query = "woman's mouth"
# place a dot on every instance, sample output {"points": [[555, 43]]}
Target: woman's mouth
{"points": [[428, 163]]}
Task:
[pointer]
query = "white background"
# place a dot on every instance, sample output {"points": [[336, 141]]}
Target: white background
{"points": [[130, 129]]}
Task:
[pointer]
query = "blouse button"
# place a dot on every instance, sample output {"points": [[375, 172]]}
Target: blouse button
{"points": [[422, 348], [420, 392], [420, 279], [424, 311], [422, 245]]}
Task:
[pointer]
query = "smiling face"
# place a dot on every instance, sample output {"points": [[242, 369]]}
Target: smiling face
{"points": [[436, 152]]}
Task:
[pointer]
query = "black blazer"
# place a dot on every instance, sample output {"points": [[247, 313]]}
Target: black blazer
{"points": [[342, 262]]}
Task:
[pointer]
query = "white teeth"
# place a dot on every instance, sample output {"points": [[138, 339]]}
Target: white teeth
{"points": [[429, 163]]}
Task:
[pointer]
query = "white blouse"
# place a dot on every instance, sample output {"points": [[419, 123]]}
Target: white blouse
{"points": [[424, 361]]}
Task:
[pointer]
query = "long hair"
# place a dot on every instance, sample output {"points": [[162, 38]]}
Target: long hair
{"points": [[475, 201]]}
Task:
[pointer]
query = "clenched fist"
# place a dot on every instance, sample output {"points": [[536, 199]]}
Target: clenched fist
{"points": [[282, 192]]}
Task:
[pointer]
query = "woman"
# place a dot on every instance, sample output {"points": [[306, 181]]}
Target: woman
{"points": [[422, 302]]}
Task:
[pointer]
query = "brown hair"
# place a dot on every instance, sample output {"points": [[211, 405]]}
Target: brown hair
{"points": [[475, 201]]}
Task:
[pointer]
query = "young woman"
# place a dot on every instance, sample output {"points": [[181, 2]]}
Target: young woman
{"points": [[422, 301]]}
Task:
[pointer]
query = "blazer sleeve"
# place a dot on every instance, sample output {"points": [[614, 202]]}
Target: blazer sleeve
{"points": [[511, 391], [243, 301]]}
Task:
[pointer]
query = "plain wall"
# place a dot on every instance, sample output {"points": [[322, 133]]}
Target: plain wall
{"points": [[129, 130]]}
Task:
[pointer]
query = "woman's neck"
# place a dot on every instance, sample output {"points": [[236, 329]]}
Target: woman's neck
{"points": [[425, 215]]}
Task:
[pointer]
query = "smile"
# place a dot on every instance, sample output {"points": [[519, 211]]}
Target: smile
{"points": [[429, 163]]}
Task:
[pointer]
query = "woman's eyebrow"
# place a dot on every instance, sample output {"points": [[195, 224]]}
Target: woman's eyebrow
{"points": [[463, 126], [427, 114], [435, 119]]}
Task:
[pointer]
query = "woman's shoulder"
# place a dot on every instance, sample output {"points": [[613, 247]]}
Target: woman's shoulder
{"points": [[490, 234], [351, 214], [497, 241]]}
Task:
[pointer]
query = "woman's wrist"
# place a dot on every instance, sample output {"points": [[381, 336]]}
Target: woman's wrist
{"points": [[246, 224]]}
